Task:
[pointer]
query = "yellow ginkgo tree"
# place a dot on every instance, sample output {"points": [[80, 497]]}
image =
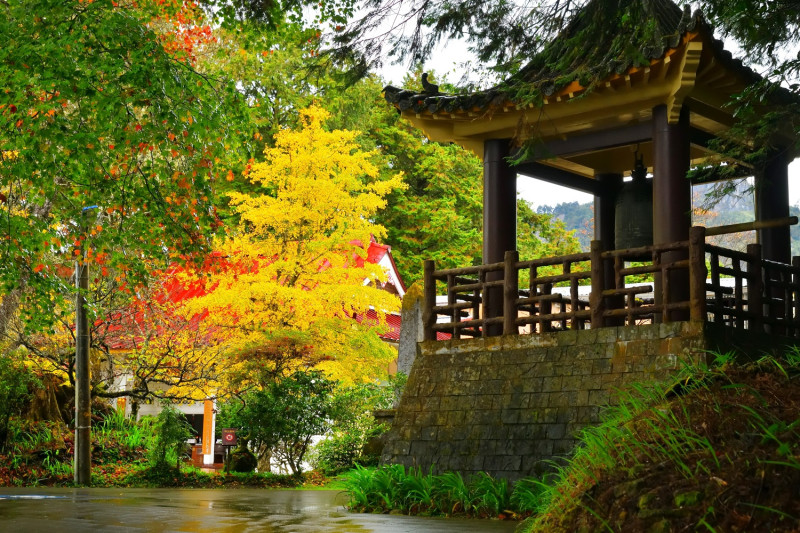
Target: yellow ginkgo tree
{"points": [[293, 274]]}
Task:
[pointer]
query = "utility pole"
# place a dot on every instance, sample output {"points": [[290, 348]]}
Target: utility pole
{"points": [[82, 465]]}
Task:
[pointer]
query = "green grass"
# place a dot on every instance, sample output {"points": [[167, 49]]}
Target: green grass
{"points": [[391, 488], [661, 427]]}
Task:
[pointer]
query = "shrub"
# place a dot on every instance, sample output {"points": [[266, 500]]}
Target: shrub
{"points": [[171, 432], [284, 415], [354, 426], [16, 382]]}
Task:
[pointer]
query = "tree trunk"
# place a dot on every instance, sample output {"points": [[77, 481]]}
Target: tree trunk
{"points": [[264, 456], [44, 405]]}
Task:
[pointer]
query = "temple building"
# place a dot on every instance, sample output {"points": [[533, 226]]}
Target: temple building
{"points": [[609, 97]]}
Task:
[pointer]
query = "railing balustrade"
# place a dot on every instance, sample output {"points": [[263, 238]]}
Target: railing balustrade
{"points": [[661, 283]]}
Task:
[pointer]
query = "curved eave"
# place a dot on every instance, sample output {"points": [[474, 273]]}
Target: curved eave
{"points": [[618, 100], [698, 72]]}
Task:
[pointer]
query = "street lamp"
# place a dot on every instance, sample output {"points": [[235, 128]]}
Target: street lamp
{"points": [[82, 466]]}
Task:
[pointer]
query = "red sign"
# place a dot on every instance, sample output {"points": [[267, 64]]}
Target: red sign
{"points": [[229, 437]]}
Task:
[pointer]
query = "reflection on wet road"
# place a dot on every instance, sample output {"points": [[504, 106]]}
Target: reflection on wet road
{"points": [[51, 510]]}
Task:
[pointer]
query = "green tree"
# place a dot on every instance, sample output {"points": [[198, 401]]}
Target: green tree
{"points": [[438, 216], [97, 111], [284, 415], [540, 235]]}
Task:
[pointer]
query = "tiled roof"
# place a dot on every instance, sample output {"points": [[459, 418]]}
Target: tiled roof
{"points": [[572, 58], [392, 333]]}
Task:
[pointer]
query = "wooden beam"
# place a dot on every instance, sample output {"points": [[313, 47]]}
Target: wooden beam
{"points": [[710, 111], [700, 138], [594, 141], [750, 226], [560, 177]]}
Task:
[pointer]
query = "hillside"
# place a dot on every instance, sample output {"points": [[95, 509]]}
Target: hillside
{"points": [[732, 207], [717, 451]]}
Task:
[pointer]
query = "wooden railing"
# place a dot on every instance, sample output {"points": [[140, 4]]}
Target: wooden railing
{"points": [[676, 281]]}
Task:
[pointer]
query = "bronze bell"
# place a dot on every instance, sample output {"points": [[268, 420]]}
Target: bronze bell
{"points": [[633, 211]]}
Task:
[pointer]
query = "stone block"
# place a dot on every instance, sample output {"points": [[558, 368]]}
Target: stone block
{"points": [[441, 418], [601, 366], [456, 418], [421, 450], [669, 329], [558, 399], [401, 447], [517, 400], [405, 432], [567, 338], [472, 372], [607, 335], [581, 397], [563, 446], [668, 361], [427, 433], [483, 401], [545, 369], [556, 431], [492, 432], [503, 462], [430, 404], [531, 384], [487, 447], [500, 401], [611, 381], [450, 403], [544, 448], [600, 350], [571, 383], [425, 418], [586, 336], [551, 384], [483, 417], [564, 368], [509, 416], [599, 397]]}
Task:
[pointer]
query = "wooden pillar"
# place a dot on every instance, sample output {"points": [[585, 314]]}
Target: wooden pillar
{"points": [[772, 201], [604, 209], [499, 219], [605, 233], [672, 197], [510, 293], [429, 300], [697, 273]]}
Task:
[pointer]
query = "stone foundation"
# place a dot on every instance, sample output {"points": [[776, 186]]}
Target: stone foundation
{"points": [[504, 405]]}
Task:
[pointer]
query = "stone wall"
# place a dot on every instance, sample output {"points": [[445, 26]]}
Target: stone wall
{"points": [[505, 404]]}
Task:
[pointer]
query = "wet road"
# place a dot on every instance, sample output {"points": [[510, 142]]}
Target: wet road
{"points": [[50, 510]]}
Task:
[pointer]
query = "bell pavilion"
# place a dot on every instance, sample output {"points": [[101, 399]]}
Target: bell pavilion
{"points": [[537, 345]]}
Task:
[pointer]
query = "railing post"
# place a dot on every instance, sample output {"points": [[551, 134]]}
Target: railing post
{"points": [[795, 292], [510, 292], [755, 287], [697, 274], [598, 285], [429, 288], [794, 316]]}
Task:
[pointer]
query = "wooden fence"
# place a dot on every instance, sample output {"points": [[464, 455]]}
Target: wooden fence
{"points": [[688, 280]]}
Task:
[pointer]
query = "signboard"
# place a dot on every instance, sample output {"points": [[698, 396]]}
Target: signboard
{"points": [[229, 437]]}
